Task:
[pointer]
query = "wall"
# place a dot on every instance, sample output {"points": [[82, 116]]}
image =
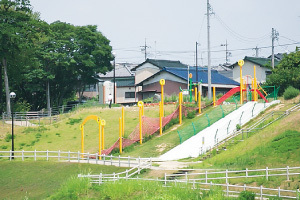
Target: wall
{"points": [[248, 69], [120, 96], [145, 71]]}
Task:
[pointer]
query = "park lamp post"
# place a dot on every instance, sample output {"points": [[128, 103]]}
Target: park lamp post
{"points": [[12, 96]]}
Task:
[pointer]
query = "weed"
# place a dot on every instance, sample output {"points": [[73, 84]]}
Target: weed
{"points": [[38, 135], [73, 121], [247, 195], [22, 144], [8, 137], [3, 147], [58, 134]]}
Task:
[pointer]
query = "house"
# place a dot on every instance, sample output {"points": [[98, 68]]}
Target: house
{"points": [[124, 85], [176, 78], [263, 68]]}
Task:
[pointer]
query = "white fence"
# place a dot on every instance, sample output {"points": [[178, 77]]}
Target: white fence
{"points": [[78, 157], [204, 184]]}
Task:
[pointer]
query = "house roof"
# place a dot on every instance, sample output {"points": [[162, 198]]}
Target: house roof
{"points": [[264, 62], [122, 70], [125, 82], [216, 78], [162, 63]]}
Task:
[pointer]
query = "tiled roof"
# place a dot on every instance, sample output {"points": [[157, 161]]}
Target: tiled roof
{"points": [[216, 78], [122, 70], [264, 62], [162, 63]]}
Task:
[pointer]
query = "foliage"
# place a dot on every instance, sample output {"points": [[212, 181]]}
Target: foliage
{"points": [[247, 195], [290, 93], [238, 127], [287, 73], [191, 114]]}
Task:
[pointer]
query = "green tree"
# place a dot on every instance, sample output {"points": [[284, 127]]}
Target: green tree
{"points": [[14, 15], [287, 73]]}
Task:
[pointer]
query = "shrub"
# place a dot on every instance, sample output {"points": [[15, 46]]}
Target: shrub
{"points": [[290, 93], [191, 115], [247, 195], [238, 127], [8, 137]]}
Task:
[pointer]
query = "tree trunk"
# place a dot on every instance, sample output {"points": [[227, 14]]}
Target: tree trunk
{"points": [[48, 98], [6, 86], [1, 89]]}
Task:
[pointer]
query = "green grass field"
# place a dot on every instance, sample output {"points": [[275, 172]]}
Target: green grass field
{"points": [[40, 179]]}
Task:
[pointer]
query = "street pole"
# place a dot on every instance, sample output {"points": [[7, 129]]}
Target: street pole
{"points": [[197, 63], [12, 96], [208, 52], [114, 79]]}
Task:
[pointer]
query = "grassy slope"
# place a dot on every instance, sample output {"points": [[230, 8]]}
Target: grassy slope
{"points": [[66, 135], [274, 146], [37, 180]]}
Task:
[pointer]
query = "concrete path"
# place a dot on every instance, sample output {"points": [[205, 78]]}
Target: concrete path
{"points": [[220, 130]]}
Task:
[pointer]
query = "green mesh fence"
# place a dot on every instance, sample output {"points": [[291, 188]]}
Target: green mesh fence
{"points": [[205, 120]]}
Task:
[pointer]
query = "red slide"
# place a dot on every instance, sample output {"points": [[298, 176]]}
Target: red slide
{"points": [[228, 94], [262, 96]]}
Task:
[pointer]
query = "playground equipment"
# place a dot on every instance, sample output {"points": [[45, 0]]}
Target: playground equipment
{"points": [[162, 83], [180, 107], [244, 88], [120, 134], [199, 102], [101, 136]]}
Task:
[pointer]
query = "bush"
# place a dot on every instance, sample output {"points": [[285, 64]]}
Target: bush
{"points": [[247, 195], [290, 93], [191, 115], [238, 127], [8, 137]]}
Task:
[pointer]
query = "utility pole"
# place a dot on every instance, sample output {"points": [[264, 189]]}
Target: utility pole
{"points": [[144, 48], [256, 51], [227, 53], [275, 35], [208, 50]]}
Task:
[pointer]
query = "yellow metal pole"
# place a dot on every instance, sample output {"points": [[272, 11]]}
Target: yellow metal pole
{"points": [[82, 139], [196, 93], [162, 83], [120, 134], [241, 63], [255, 85], [199, 101], [103, 123], [160, 120], [140, 105], [214, 96], [100, 136], [123, 121], [252, 86], [180, 107]]}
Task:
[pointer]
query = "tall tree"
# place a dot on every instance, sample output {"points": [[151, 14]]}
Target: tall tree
{"points": [[287, 73], [14, 15]]}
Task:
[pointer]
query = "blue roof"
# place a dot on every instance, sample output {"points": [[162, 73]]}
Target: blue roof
{"points": [[216, 78]]}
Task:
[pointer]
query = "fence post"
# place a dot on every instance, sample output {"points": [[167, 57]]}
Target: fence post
{"points": [[69, 156], [227, 189], [104, 156], [267, 174], [23, 155], [228, 127], [119, 161], [100, 178], [78, 156], [208, 121], [128, 161], [287, 173], [245, 187], [165, 179], [253, 108], [261, 192], [47, 153], [279, 192], [179, 136], [110, 159], [150, 162], [96, 158], [186, 178], [205, 176], [88, 157], [194, 128], [114, 177], [58, 155], [126, 174], [35, 155], [241, 118], [227, 177], [246, 172]]}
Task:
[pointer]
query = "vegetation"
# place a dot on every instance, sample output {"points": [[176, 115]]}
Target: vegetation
{"points": [[43, 62], [287, 73], [40, 179], [290, 93]]}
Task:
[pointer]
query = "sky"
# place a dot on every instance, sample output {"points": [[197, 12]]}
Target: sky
{"points": [[171, 28]]}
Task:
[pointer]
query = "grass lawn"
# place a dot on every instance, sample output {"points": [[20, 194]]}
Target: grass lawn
{"points": [[65, 135], [40, 179]]}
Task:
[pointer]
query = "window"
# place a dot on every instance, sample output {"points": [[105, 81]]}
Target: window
{"points": [[129, 95]]}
